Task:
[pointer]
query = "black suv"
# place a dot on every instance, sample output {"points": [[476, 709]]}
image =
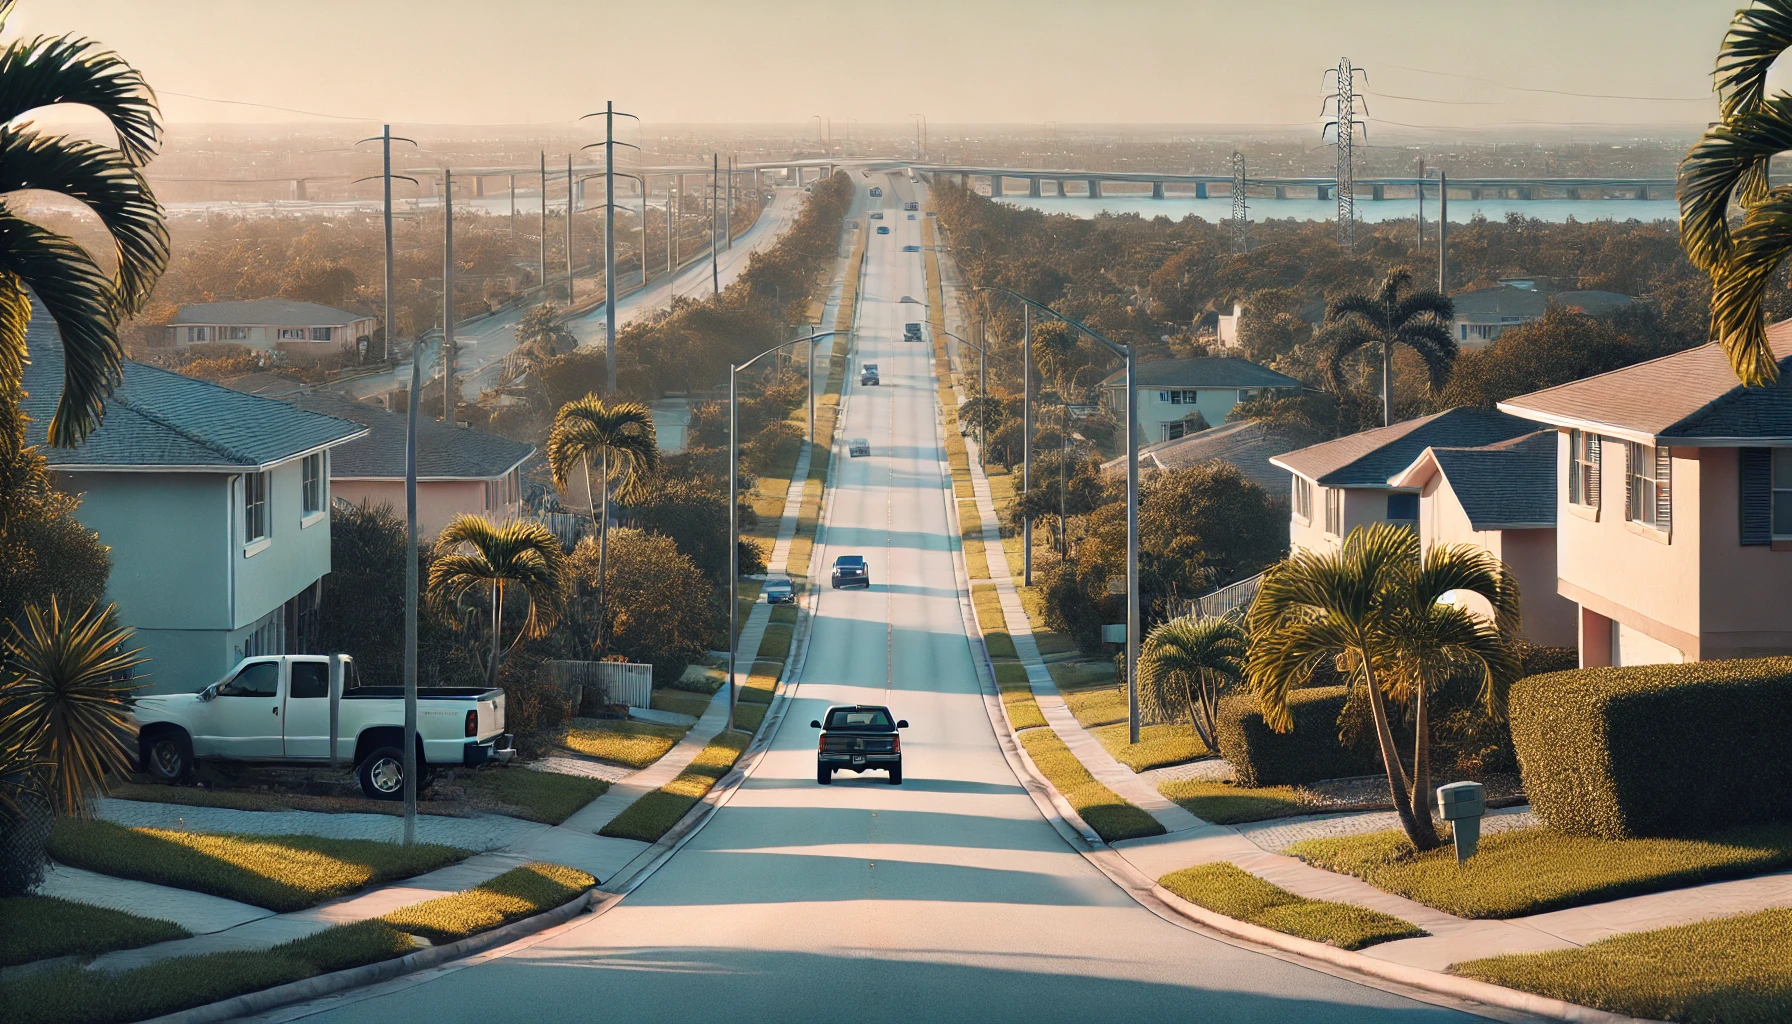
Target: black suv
{"points": [[868, 374], [858, 737], [851, 571]]}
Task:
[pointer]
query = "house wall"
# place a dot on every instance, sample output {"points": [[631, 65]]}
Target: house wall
{"points": [[438, 501], [296, 555], [1362, 506], [1549, 618], [1746, 591]]}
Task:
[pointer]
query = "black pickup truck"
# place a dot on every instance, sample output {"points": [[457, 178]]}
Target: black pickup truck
{"points": [[858, 737]]}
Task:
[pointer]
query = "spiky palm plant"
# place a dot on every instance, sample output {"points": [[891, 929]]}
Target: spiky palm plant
{"points": [[1186, 665], [86, 303], [64, 702], [1393, 316], [619, 437], [1374, 610], [475, 554], [1729, 165]]}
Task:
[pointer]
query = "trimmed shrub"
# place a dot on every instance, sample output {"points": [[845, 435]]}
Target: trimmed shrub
{"points": [[1308, 753], [1657, 750]]}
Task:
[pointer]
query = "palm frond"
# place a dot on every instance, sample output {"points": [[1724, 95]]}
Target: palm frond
{"points": [[1716, 170], [1419, 304], [1434, 343], [1757, 36], [1342, 338], [1739, 288], [589, 429], [1355, 304], [48, 71], [80, 299], [472, 552]]}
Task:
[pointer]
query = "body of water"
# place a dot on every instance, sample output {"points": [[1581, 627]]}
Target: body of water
{"points": [[1368, 211]]}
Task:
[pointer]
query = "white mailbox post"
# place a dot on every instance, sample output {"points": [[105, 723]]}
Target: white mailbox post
{"points": [[1462, 804]]}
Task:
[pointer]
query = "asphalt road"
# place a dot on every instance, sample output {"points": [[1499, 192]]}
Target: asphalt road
{"points": [[945, 899]]}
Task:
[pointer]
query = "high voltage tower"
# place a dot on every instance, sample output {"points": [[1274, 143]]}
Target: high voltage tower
{"points": [[1240, 238], [1345, 124]]}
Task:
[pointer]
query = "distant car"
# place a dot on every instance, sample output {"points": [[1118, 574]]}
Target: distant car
{"points": [[851, 570], [868, 377], [883, 229], [778, 590], [911, 248], [808, 188], [858, 448], [912, 180], [876, 193], [911, 331], [858, 738], [911, 205], [877, 215]]}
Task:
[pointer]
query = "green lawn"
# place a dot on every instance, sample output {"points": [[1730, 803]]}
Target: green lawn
{"points": [[648, 818], [515, 894], [1158, 745], [621, 741], [1236, 893], [40, 927], [784, 615], [547, 797], [1733, 970], [989, 616], [257, 800], [1017, 696], [1226, 804], [1533, 870], [281, 873], [1085, 675], [775, 646], [1112, 817], [761, 680], [703, 679], [748, 715], [680, 702]]}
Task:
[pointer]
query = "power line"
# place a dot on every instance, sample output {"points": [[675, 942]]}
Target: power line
{"points": [[346, 117], [1552, 92]]}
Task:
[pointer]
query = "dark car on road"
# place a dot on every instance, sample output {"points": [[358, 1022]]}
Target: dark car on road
{"points": [[858, 448], [883, 229], [851, 571], [858, 738], [911, 205], [868, 374], [778, 590], [911, 331]]}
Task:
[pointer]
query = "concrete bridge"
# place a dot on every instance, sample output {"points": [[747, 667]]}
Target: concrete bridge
{"points": [[1203, 186]]}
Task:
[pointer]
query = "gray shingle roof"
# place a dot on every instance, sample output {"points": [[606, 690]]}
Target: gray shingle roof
{"points": [[443, 452], [1506, 485], [1202, 372], [265, 313], [1247, 445], [1687, 398], [1369, 458], [162, 419], [1499, 301]]}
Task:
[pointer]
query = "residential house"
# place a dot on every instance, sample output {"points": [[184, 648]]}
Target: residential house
{"points": [[1344, 483], [300, 328], [1180, 396], [1484, 314], [1674, 507], [216, 507], [1246, 444], [459, 469], [1500, 497]]}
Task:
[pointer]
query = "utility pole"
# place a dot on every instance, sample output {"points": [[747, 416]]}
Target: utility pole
{"points": [[513, 206], [571, 203], [609, 114], [543, 279], [715, 268], [728, 208], [1420, 189], [1345, 125], [1241, 241], [1026, 436], [672, 224], [448, 352], [1443, 233]]}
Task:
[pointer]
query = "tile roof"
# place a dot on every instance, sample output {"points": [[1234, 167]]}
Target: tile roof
{"points": [[1247, 445], [1502, 486], [443, 452], [1202, 372], [1688, 398], [158, 419], [1369, 458], [266, 313]]}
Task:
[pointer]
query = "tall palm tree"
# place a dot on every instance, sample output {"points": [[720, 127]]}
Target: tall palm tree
{"points": [[83, 299], [1185, 665], [1375, 610], [474, 553], [1392, 316], [619, 437], [1729, 164], [65, 704]]}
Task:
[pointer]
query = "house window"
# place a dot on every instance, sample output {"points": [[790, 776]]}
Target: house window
{"points": [[1782, 494], [1334, 511], [312, 468], [1650, 492], [198, 334], [255, 507], [292, 334], [1303, 499], [1403, 506], [1247, 394], [237, 333], [268, 638], [320, 333], [1583, 468]]}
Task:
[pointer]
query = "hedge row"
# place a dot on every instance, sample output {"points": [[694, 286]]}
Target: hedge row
{"points": [[1308, 753], [1657, 750]]}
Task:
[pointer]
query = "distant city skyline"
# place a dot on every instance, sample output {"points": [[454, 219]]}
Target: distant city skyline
{"points": [[1509, 67]]}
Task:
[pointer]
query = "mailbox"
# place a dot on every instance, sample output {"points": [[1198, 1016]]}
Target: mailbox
{"points": [[1462, 804]]}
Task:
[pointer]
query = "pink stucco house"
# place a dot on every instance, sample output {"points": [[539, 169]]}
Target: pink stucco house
{"points": [[1674, 507]]}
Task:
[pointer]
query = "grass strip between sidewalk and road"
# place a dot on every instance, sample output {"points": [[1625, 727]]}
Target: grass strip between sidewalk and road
{"points": [[650, 817], [280, 873], [515, 894], [620, 741], [1731, 970], [547, 797], [40, 927], [1230, 890], [996, 638], [1017, 696], [1533, 870], [1225, 804], [261, 800], [1112, 817]]}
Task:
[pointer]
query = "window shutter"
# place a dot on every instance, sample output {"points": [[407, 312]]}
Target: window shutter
{"points": [[1631, 451], [1591, 485], [1664, 488], [1755, 476]]}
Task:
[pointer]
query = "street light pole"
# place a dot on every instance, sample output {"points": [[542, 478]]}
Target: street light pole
{"points": [[715, 267], [1026, 438], [448, 352], [542, 279], [571, 202]]}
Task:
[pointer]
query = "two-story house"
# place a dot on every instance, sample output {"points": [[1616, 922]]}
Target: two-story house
{"points": [[1674, 507], [1181, 396], [459, 469], [1344, 483], [300, 328], [1246, 444], [215, 505]]}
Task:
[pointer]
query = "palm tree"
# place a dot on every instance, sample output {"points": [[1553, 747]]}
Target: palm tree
{"points": [[619, 437], [475, 553], [65, 704], [1729, 163], [1185, 665], [1419, 320], [83, 299], [1375, 610]]}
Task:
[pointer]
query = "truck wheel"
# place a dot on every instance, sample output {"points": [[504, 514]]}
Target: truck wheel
{"points": [[896, 775], [168, 757], [382, 774], [824, 775]]}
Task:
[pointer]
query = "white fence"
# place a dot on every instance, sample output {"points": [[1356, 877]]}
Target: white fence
{"points": [[593, 684], [1234, 600]]}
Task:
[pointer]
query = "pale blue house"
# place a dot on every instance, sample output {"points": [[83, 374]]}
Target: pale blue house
{"points": [[216, 507]]}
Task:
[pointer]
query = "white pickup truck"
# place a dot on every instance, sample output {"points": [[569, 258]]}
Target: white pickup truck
{"points": [[283, 709]]}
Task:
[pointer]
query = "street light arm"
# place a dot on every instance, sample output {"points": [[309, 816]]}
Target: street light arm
{"points": [[1123, 351], [799, 341]]}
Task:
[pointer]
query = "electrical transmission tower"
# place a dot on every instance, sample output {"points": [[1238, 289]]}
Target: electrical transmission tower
{"points": [[1345, 125], [1240, 238]]}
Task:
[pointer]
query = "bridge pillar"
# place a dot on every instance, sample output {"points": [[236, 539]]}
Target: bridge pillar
{"points": [[1200, 190], [478, 187], [1642, 192], [1281, 191], [995, 185], [1474, 195], [1094, 188], [1157, 190], [1527, 193], [799, 176], [1325, 192], [964, 182], [1033, 188], [1060, 188], [1378, 192]]}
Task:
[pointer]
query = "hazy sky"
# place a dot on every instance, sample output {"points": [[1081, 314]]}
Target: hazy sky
{"points": [[976, 61]]}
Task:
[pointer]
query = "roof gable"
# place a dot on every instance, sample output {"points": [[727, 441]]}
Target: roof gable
{"points": [[1245, 444], [443, 452], [1201, 372], [1506, 485], [1370, 457], [266, 313]]}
